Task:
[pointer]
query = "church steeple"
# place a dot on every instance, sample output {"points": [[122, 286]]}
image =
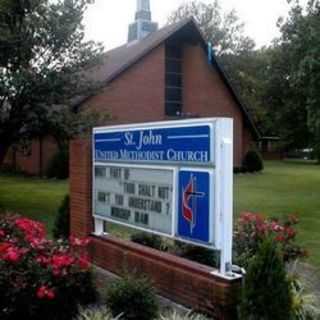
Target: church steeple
{"points": [[143, 5], [143, 24], [143, 10]]}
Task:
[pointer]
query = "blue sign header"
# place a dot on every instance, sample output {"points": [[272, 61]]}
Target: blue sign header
{"points": [[191, 144]]}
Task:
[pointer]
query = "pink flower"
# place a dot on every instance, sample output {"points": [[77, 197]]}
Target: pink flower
{"points": [[31, 229], [262, 228], [36, 243], [44, 292], [77, 242], [60, 262], [2, 233], [247, 217], [290, 232], [42, 260], [276, 227], [12, 254], [280, 238], [4, 246]]}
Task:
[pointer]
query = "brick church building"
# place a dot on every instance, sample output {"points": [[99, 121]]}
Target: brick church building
{"points": [[159, 74]]}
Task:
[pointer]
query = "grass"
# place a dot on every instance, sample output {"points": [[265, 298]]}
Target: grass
{"points": [[283, 188], [35, 198]]}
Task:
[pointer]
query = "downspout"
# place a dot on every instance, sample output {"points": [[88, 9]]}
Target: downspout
{"points": [[210, 53]]}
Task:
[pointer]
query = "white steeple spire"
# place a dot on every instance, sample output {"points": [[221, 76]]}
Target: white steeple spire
{"points": [[143, 5], [143, 24]]}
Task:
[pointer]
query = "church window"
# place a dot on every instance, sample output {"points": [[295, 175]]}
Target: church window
{"points": [[173, 92]]}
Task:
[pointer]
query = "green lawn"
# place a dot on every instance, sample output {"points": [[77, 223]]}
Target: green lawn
{"points": [[32, 197], [283, 188]]}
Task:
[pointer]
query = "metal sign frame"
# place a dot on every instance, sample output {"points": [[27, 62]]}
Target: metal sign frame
{"points": [[220, 168]]}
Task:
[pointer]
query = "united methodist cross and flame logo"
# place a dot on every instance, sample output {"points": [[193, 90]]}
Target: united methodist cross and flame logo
{"points": [[190, 197]]}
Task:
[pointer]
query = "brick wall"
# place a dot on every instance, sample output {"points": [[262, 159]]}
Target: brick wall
{"points": [[137, 95], [33, 161], [247, 141], [183, 281], [80, 188], [206, 94], [49, 149]]}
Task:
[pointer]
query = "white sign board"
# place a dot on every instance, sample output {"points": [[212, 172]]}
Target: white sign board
{"points": [[136, 197]]}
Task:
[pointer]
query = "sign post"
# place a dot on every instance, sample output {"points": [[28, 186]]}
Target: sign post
{"points": [[174, 179]]}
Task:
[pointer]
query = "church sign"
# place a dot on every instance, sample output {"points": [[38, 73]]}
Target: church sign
{"points": [[192, 144], [168, 178]]}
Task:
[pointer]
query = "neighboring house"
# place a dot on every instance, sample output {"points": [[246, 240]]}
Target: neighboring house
{"points": [[160, 75], [271, 148]]}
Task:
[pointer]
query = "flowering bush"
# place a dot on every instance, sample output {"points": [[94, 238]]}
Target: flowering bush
{"points": [[40, 278], [252, 229]]}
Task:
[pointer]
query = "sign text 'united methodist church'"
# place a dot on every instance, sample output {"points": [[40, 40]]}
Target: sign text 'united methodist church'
{"points": [[174, 144]]}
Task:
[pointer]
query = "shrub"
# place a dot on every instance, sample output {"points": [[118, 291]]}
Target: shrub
{"points": [[10, 169], [237, 170], [266, 293], [253, 161], [195, 253], [189, 316], [103, 313], [305, 300], [62, 222], [96, 314], [59, 165], [133, 297], [39, 278], [252, 229], [149, 240], [305, 305]]}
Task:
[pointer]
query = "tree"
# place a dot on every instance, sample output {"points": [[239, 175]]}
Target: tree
{"points": [[293, 86], [301, 33], [42, 54], [224, 31], [249, 73], [234, 50]]}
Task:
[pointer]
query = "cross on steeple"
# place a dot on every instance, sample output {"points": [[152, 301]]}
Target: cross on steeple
{"points": [[143, 24]]}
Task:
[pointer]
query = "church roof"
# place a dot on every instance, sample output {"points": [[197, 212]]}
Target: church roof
{"points": [[118, 60]]}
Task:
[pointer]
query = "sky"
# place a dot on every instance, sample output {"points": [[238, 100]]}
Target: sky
{"points": [[107, 20]]}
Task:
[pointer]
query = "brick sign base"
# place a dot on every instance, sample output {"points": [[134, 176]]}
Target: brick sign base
{"points": [[178, 279]]}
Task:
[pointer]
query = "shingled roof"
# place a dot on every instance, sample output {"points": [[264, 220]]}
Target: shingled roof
{"points": [[118, 60]]}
